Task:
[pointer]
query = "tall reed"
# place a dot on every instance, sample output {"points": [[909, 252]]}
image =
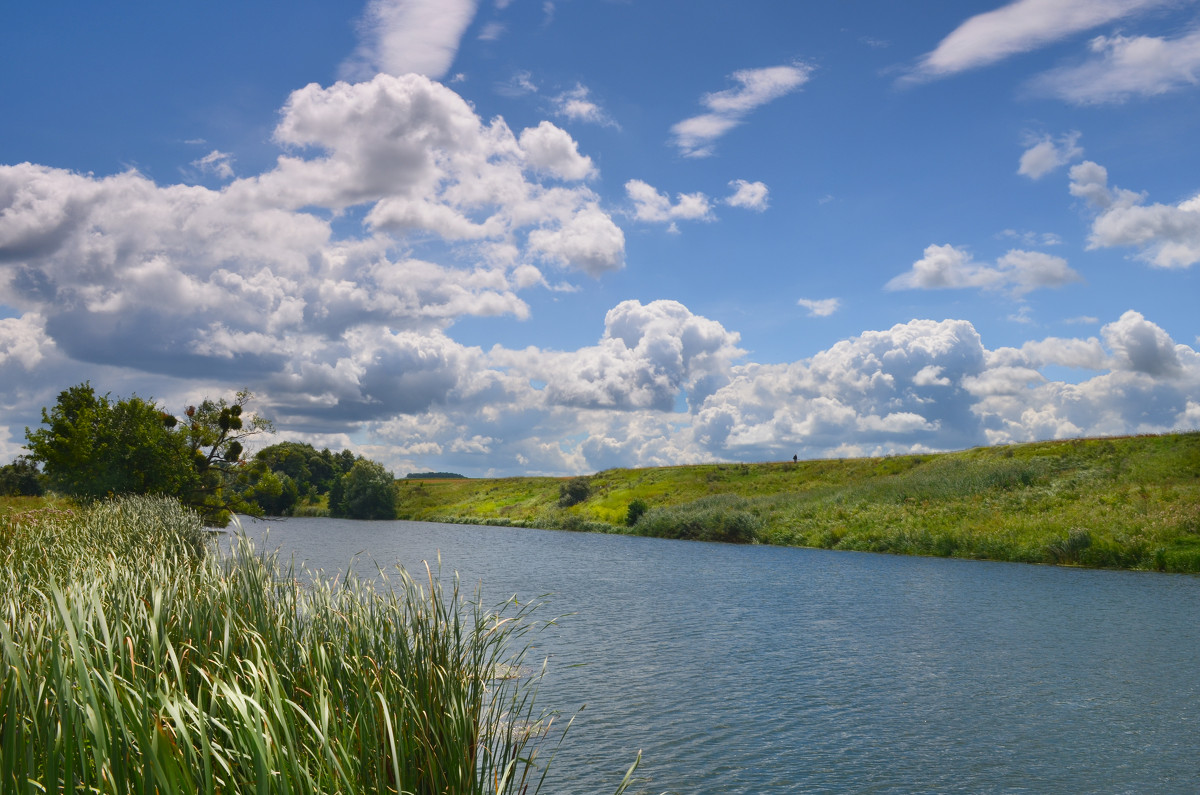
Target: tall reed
{"points": [[136, 661]]}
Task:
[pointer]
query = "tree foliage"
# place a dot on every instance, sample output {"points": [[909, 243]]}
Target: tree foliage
{"points": [[21, 478], [574, 491], [94, 446], [367, 491]]}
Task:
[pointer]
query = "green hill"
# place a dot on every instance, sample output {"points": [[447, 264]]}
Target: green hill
{"points": [[1131, 502]]}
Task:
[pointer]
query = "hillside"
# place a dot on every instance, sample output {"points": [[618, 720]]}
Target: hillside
{"points": [[1131, 502]]}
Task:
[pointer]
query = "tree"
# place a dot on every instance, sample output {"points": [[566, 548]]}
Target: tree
{"points": [[274, 492], [21, 479], [367, 491], [94, 446], [212, 437]]}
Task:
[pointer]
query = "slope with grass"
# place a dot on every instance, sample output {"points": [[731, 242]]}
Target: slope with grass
{"points": [[1131, 502]]}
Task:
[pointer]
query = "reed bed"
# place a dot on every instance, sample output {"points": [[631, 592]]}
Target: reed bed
{"points": [[135, 660]]}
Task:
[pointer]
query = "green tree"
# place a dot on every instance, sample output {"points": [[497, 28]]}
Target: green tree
{"points": [[274, 492], [212, 435], [21, 479], [93, 446], [367, 491]]}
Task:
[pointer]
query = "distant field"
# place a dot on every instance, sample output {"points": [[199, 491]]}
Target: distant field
{"points": [[1131, 502]]}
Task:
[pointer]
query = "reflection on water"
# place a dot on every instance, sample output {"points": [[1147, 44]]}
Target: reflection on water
{"points": [[764, 669]]}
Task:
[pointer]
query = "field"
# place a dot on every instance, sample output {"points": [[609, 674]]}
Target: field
{"points": [[1130, 502]]}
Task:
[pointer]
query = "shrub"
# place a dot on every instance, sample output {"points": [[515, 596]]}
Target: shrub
{"points": [[637, 507], [717, 518], [1070, 549], [574, 491]]}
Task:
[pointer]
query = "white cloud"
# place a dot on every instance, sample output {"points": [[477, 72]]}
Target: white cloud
{"points": [[652, 206], [550, 149], [697, 136], [649, 354], [750, 195], [1019, 27], [519, 85], [139, 282], [217, 163], [402, 36], [1045, 154], [23, 342], [1033, 238], [589, 241], [577, 105], [1142, 347], [1168, 235], [1126, 66], [820, 307], [1019, 272], [492, 31]]}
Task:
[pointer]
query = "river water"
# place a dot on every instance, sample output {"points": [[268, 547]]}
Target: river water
{"points": [[754, 669]]}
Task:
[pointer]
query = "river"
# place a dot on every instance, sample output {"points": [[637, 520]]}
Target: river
{"points": [[755, 669]]}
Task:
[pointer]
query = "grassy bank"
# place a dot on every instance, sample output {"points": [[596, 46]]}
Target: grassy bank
{"points": [[1118, 503], [136, 660]]}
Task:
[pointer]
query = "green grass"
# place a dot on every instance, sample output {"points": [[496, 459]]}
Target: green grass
{"points": [[136, 660], [1131, 502]]}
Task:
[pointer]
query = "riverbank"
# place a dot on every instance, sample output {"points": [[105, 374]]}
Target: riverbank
{"points": [[1128, 503], [135, 658]]}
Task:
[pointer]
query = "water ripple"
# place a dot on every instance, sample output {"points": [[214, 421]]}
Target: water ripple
{"points": [[758, 669]]}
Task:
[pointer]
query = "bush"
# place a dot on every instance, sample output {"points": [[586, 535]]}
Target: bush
{"points": [[718, 518], [1069, 550], [574, 491], [637, 507]]}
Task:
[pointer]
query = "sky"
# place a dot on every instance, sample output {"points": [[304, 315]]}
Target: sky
{"points": [[504, 237]]}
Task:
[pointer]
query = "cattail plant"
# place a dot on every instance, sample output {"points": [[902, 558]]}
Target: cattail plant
{"points": [[137, 660]]}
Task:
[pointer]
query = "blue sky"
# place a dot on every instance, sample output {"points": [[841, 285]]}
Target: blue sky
{"points": [[514, 236]]}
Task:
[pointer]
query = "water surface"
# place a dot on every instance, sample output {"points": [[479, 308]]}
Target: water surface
{"points": [[766, 669]]}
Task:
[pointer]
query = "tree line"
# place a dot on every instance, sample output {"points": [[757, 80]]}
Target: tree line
{"points": [[92, 446]]}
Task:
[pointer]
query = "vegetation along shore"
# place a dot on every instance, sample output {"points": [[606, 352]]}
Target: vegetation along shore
{"points": [[1129, 503], [135, 659]]}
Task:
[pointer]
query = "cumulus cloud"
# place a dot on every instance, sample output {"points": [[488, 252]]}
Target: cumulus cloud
{"points": [[750, 195], [1018, 27], [553, 151], [1019, 272], [1167, 235], [655, 207], [881, 390], [697, 136], [250, 284], [820, 307], [649, 354], [1045, 154], [917, 386], [23, 343], [1142, 347], [402, 36], [1122, 67]]}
